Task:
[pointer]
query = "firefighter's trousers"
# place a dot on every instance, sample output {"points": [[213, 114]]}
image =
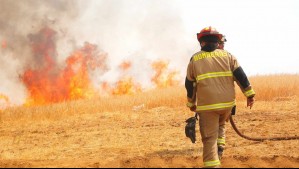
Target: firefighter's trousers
{"points": [[212, 130]]}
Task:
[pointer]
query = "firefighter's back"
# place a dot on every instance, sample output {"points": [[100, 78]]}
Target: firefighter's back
{"points": [[214, 77]]}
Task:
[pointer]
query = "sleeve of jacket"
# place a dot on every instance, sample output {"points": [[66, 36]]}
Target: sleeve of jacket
{"points": [[241, 78], [190, 85]]}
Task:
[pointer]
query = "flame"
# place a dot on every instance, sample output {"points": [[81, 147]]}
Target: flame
{"points": [[77, 74], [49, 83], [126, 86], [4, 101], [163, 76]]}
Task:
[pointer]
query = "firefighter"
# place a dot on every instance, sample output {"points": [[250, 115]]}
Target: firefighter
{"points": [[210, 91]]}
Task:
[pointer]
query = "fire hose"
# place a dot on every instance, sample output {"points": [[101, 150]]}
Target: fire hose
{"points": [[191, 122], [257, 138], [260, 138]]}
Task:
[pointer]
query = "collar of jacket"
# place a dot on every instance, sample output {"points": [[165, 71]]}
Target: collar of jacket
{"points": [[209, 47]]}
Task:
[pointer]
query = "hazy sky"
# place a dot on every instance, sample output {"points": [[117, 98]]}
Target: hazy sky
{"points": [[262, 34]]}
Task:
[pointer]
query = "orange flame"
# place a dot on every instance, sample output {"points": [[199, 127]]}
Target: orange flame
{"points": [[126, 86], [163, 77], [51, 84], [48, 82]]}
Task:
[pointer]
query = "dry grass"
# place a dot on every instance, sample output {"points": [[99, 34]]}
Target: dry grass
{"points": [[283, 87], [170, 97], [274, 87], [147, 130]]}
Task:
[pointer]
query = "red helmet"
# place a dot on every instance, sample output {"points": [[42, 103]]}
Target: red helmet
{"points": [[209, 31]]}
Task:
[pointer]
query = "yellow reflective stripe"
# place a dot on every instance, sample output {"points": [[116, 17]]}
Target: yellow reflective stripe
{"points": [[190, 104], [216, 106], [221, 141], [249, 93], [212, 163], [213, 75]]}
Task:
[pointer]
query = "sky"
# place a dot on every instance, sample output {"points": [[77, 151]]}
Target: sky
{"points": [[262, 34]]}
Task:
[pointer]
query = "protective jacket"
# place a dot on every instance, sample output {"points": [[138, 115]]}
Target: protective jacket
{"points": [[210, 80]]}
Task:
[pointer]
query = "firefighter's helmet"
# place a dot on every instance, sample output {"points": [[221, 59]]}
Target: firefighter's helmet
{"points": [[209, 31]]}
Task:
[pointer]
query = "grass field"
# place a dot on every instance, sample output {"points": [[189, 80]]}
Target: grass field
{"points": [[147, 130]]}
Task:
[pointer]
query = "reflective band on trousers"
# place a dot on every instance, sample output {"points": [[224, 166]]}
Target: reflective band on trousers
{"points": [[216, 106], [249, 93], [211, 163], [221, 141], [213, 75]]}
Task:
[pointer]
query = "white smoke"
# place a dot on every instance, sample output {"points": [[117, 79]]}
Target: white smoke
{"points": [[140, 31]]}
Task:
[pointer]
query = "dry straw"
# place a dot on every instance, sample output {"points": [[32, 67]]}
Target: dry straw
{"points": [[268, 88]]}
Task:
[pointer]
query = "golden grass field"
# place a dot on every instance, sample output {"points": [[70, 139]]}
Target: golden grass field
{"points": [[147, 130]]}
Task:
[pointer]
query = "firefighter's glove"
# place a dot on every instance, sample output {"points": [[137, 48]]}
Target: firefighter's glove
{"points": [[193, 108], [190, 129], [250, 101]]}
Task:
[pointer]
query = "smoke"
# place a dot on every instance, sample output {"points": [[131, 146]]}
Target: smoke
{"points": [[19, 20], [139, 31]]}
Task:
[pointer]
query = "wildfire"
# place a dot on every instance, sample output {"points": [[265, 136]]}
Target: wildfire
{"points": [[126, 86], [163, 77], [49, 83]]}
